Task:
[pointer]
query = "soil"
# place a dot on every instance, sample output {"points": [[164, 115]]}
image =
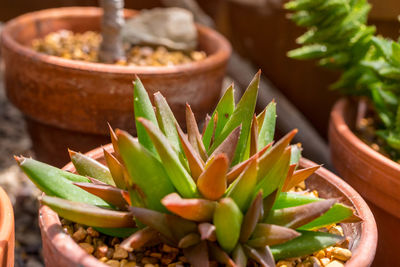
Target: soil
{"points": [[84, 46], [366, 130]]}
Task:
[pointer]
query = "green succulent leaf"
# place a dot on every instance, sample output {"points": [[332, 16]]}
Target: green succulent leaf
{"points": [[242, 115], [224, 109], [227, 220], [88, 214], [143, 109], [87, 166], [149, 180], [305, 244], [241, 190], [337, 213], [178, 174], [166, 121], [294, 217], [267, 127], [55, 182]]}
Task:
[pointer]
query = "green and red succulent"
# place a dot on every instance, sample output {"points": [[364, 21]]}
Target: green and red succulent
{"points": [[220, 194]]}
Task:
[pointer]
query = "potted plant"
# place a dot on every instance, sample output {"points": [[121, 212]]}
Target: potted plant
{"points": [[364, 132], [6, 230], [65, 98], [220, 197]]}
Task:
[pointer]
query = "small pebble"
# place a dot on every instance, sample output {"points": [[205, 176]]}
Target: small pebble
{"points": [[113, 263], [341, 254], [335, 264], [87, 247], [120, 253], [79, 235]]}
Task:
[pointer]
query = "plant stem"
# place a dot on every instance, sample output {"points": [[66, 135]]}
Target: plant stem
{"points": [[111, 49]]}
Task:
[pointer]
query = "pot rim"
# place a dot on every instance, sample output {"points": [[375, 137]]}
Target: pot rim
{"points": [[343, 129], [218, 57], [363, 254], [6, 228]]}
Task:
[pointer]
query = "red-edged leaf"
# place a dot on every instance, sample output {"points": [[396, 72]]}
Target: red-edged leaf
{"points": [[269, 235], [196, 164], [111, 194], [228, 146], [116, 169], [251, 218], [254, 136], [261, 255], [212, 182], [239, 168], [193, 209], [299, 176], [139, 239], [193, 133], [197, 255], [189, 240]]}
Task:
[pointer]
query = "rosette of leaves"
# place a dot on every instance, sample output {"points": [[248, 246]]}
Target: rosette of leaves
{"points": [[340, 38], [217, 195]]}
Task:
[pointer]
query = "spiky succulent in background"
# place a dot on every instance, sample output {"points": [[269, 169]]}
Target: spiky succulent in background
{"points": [[218, 195], [339, 37]]}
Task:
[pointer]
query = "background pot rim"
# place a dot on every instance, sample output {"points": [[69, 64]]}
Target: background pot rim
{"points": [[218, 57], [343, 129], [6, 229], [363, 254]]}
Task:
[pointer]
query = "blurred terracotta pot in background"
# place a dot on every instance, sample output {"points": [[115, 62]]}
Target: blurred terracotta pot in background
{"points": [[82, 97], [7, 232], [374, 176]]}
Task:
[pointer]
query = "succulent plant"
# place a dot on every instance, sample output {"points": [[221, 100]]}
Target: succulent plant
{"points": [[340, 38], [220, 194]]}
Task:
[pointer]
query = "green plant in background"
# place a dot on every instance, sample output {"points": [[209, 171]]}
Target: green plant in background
{"points": [[221, 194], [339, 37]]}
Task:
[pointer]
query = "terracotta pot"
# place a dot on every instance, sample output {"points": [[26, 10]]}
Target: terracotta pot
{"points": [[374, 176], [260, 31], [6, 231], [60, 250], [80, 96]]}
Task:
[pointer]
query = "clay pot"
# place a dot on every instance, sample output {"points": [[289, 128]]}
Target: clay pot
{"points": [[60, 250], [81, 96], [261, 32], [6, 231], [374, 176]]}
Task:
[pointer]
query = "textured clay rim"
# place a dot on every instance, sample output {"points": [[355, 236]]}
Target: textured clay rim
{"points": [[6, 227], [363, 254], [374, 158], [222, 53]]}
